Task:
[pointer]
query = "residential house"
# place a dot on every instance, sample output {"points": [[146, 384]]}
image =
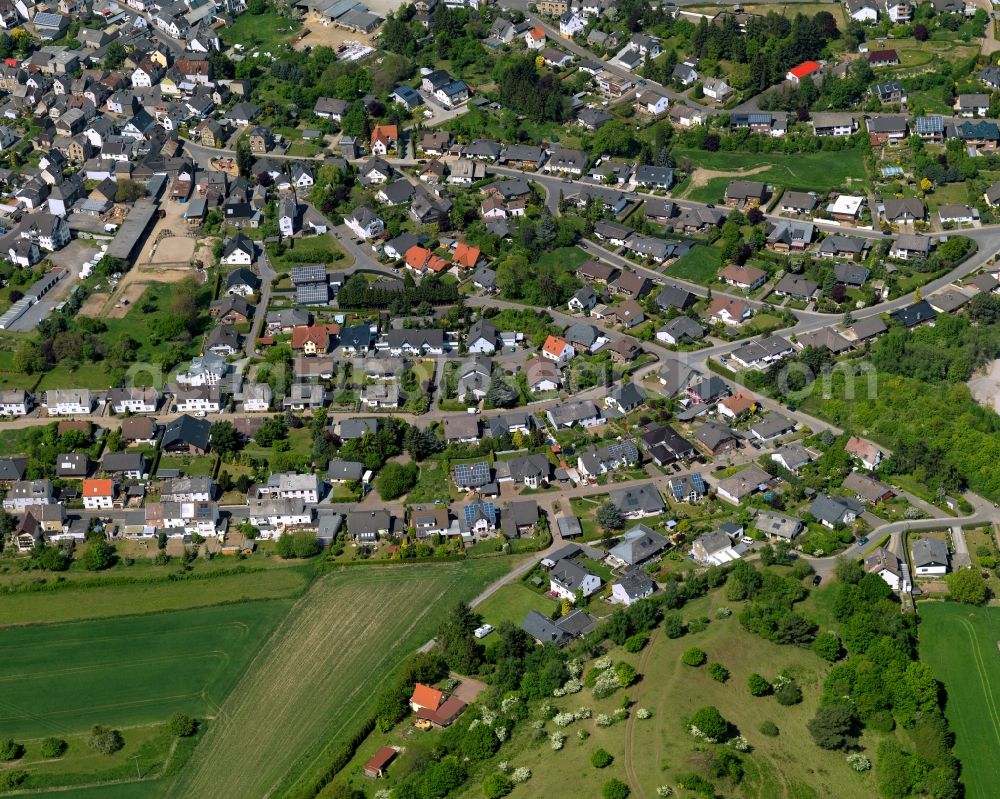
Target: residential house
{"points": [[886, 565], [636, 502], [637, 546], [632, 586], [715, 549], [98, 494], [833, 511], [568, 578], [739, 486], [930, 557], [778, 525]]}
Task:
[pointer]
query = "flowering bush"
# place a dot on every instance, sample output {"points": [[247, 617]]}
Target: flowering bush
{"points": [[582, 713], [604, 720], [620, 714], [582, 734], [573, 686], [664, 790], [385, 793], [521, 774], [740, 744], [547, 711], [503, 766], [603, 663], [557, 739], [509, 704], [859, 762], [488, 717], [575, 667], [557, 692], [538, 724], [501, 733], [723, 613], [606, 684], [563, 719], [643, 713]]}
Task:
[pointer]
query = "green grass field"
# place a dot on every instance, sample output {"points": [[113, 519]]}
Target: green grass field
{"points": [[699, 265], [97, 602], [567, 258], [512, 603], [319, 674], [60, 679], [960, 643], [268, 30], [805, 171]]}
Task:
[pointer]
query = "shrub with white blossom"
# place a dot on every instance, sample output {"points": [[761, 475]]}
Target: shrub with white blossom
{"points": [[607, 683], [700, 735], [603, 663], [573, 686], [547, 711], [563, 719], [501, 733], [538, 724], [503, 767], [723, 613], [509, 704], [620, 714], [575, 667], [557, 692], [664, 790], [604, 720], [521, 774], [858, 762], [488, 717], [582, 734], [582, 713], [643, 713], [385, 793], [740, 744], [557, 739]]}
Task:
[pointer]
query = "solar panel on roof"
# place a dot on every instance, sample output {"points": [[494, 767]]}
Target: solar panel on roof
{"points": [[312, 293], [312, 273], [478, 510], [472, 474], [698, 482]]}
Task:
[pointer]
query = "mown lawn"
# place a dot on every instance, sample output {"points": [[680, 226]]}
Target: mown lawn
{"points": [[512, 603], [960, 644], [268, 30], [820, 171], [152, 592], [566, 258], [699, 265], [60, 679]]}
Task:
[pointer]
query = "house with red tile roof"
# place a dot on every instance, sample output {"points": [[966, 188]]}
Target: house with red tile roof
{"points": [[98, 494], [466, 256], [313, 339], [384, 138], [422, 260], [557, 349]]}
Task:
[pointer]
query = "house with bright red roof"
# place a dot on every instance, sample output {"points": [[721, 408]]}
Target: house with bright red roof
{"points": [[535, 38], [98, 494], [803, 70], [384, 138], [422, 260], [466, 256], [557, 349]]}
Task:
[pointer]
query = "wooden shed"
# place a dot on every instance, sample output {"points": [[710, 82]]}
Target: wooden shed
{"points": [[375, 768]]}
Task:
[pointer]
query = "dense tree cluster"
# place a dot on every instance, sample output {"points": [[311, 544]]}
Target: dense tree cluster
{"points": [[540, 97], [880, 684], [359, 293]]}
